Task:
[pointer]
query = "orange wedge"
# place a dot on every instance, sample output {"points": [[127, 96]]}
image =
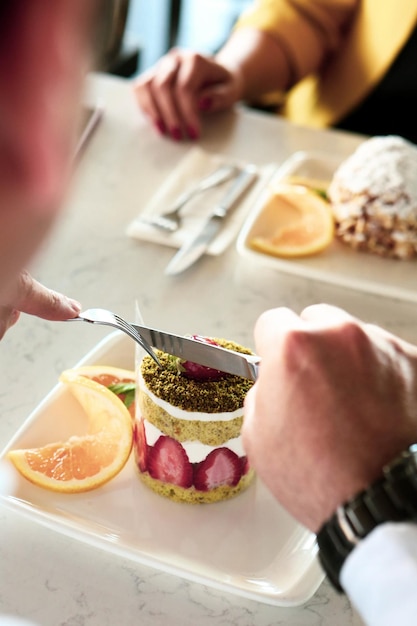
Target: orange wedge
{"points": [[82, 462], [296, 222], [105, 374], [120, 381]]}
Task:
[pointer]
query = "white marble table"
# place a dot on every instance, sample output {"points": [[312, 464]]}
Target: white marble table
{"points": [[53, 579]]}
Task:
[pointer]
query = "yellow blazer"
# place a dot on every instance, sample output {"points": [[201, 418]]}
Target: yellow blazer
{"points": [[377, 31]]}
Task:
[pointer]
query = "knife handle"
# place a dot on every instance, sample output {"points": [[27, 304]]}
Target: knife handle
{"points": [[240, 185]]}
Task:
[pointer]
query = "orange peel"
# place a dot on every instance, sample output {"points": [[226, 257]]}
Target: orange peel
{"points": [[85, 462]]}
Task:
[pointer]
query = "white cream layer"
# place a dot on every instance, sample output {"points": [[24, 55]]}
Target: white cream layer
{"points": [[188, 415], [195, 450]]}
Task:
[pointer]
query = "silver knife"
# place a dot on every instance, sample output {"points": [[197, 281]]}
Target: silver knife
{"points": [[197, 351], [187, 348], [192, 250]]}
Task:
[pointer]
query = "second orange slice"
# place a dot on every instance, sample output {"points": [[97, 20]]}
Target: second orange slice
{"points": [[295, 222]]}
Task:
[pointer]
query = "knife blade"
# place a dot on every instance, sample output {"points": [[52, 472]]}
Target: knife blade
{"points": [[193, 249], [197, 351]]}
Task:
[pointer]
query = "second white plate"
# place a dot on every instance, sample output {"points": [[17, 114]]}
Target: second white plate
{"points": [[338, 264]]}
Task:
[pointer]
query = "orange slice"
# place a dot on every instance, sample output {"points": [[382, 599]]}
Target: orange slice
{"points": [[318, 185], [120, 381], [296, 222], [82, 462], [105, 374]]}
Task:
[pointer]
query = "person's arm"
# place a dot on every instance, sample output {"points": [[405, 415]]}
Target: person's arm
{"points": [[273, 45], [259, 59], [44, 51], [334, 404], [306, 32]]}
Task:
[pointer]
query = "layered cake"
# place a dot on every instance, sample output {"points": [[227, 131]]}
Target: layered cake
{"points": [[187, 434], [373, 195]]}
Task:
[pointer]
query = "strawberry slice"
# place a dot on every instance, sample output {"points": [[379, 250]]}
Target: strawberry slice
{"points": [[168, 461], [244, 465], [204, 339], [141, 446], [200, 372], [221, 467]]}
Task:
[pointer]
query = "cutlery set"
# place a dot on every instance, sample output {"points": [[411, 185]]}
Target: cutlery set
{"points": [[193, 248], [193, 349], [171, 220], [187, 348]]}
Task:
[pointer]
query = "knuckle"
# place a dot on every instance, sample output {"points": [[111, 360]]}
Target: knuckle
{"points": [[25, 285], [354, 334], [54, 299], [174, 52], [196, 60], [298, 348], [182, 87], [162, 82], [142, 89]]}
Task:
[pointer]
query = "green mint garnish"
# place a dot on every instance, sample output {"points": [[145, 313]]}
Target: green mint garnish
{"points": [[126, 389], [322, 193]]}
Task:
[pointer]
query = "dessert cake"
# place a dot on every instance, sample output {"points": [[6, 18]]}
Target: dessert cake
{"points": [[187, 434], [374, 198]]}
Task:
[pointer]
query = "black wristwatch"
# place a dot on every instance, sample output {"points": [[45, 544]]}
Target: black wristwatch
{"points": [[392, 498]]}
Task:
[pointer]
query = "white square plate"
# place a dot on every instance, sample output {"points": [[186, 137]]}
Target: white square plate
{"points": [[338, 264], [247, 546]]}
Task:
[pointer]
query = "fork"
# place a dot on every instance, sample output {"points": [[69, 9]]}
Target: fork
{"points": [[107, 318], [171, 220]]}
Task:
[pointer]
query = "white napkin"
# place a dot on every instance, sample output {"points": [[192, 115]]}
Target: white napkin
{"points": [[196, 164]]}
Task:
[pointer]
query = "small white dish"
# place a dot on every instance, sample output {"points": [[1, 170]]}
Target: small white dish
{"points": [[248, 546], [338, 264]]}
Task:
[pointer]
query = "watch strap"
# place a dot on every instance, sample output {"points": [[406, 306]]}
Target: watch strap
{"points": [[392, 498]]}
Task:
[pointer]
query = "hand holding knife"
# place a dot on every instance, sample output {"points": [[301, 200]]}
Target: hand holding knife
{"points": [[193, 249]]}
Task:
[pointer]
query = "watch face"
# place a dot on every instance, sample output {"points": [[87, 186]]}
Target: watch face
{"points": [[407, 459]]}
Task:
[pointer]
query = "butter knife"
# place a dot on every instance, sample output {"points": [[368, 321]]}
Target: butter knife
{"points": [[197, 351], [194, 349], [193, 249]]}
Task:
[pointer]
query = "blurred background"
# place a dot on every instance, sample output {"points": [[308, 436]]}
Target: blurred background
{"points": [[134, 34]]}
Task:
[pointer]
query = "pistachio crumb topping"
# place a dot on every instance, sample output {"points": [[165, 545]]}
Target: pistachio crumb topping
{"points": [[207, 396]]}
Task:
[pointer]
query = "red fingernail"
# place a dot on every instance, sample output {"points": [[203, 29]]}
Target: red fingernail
{"points": [[192, 132], [205, 104], [176, 133], [160, 126]]}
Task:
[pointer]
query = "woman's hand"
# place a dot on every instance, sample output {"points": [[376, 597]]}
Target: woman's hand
{"points": [[181, 86], [29, 296], [335, 401], [184, 84]]}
